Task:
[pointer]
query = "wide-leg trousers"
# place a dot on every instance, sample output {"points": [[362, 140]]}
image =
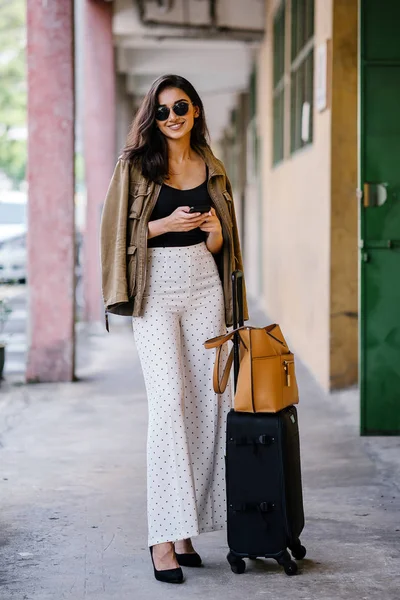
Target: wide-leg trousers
{"points": [[183, 307]]}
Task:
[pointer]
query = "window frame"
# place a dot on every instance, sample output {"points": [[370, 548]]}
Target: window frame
{"points": [[301, 70], [279, 85]]}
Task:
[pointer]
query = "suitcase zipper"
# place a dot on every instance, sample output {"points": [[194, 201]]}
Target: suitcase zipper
{"points": [[286, 364]]}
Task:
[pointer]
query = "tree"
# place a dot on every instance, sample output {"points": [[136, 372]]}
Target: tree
{"points": [[13, 89]]}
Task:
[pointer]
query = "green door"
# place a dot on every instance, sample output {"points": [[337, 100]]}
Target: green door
{"points": [[380, 217]]}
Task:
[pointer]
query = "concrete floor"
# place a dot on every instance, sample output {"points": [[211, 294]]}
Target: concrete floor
{"points": [[73, 506]]}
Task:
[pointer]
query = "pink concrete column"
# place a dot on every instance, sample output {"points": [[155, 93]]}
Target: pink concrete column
{"points": [[51, 190], [99, 141]]}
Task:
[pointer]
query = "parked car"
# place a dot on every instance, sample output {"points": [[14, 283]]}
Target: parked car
{"points": [[13, 257], [12, 220], [13, 260], [13, 254]]}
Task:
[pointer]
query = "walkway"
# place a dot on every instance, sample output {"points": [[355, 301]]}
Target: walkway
{"points": [[72, 495]]}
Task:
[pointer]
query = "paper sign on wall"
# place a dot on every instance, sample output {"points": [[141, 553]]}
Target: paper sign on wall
{"points": [[305, 122], [321, 76]]}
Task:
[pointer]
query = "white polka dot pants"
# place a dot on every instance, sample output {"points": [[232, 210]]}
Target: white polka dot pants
{"points": [[183, 307]]}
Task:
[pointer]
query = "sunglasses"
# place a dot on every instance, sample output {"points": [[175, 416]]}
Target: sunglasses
{"points": [[180, 109]]}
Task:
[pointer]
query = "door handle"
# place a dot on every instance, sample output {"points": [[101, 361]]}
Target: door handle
{"points": [[379, 244], [374, 194]]}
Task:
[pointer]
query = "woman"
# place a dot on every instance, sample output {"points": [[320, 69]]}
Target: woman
{"points": [[169, 267]]}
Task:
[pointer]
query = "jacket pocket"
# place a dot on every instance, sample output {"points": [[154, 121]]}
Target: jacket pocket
{"points": [[138, 200], [138, 197], [131, 269]]}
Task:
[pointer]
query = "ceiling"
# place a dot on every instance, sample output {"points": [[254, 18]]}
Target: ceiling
{"points": [[210, 42]]}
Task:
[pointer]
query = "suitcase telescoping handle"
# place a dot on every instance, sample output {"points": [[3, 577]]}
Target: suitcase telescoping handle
{"points": [[238, 320]]}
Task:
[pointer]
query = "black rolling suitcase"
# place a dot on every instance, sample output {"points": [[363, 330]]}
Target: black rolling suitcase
{"points": [[263, 478]]}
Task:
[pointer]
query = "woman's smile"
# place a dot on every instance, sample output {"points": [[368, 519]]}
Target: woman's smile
{"points": [[176, 126]]}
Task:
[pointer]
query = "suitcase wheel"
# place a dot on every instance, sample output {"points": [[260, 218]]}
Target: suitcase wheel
{"points": [[287, 563], [238, 565], [298, 551], [290, 568]]}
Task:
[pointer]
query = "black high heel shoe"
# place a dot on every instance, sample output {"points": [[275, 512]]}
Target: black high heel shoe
{"points": [[189, 559], [167, 575]]}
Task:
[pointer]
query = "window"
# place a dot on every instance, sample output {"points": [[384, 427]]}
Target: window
{"points": [[253, 142], [278, 85], [302, 74]]}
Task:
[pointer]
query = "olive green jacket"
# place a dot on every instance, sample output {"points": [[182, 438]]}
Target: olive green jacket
{"points": [[123, 235]]}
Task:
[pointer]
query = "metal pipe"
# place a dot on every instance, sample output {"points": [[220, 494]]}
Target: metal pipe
{"points": [[213, 29], [165, 5]]}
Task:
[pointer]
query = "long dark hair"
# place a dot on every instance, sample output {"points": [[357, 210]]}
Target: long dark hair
{"points": [[145, 143]]}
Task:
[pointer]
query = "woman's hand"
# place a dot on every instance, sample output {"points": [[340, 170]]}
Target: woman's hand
{"points": [[212, 226], [211, 223], [182, 220]]}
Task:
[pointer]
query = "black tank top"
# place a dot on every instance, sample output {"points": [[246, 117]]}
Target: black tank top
{"points": [[169, 200]]}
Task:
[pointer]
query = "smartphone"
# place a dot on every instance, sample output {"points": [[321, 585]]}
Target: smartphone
{"points": [[201, 208]]}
